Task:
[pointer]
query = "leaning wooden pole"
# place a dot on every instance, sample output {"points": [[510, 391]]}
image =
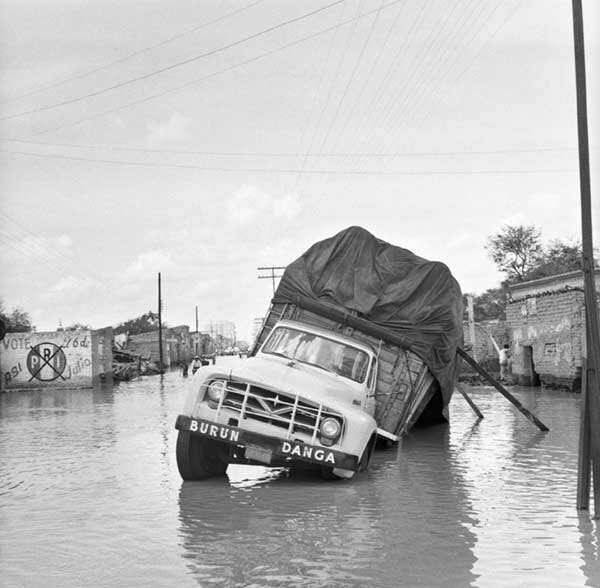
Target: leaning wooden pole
{"points": [[591, 400], [469, 401], [502, 390]]}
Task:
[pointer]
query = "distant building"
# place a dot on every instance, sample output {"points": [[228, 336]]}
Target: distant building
{"points": [[546, 324], [223, 333], [176, 345], [201, 343]]}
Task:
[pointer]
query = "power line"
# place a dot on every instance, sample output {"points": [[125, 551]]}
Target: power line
{"points": [[125, 58], [353, 172], [329, 154], [352, 75], [174, 65], [214, 74]]}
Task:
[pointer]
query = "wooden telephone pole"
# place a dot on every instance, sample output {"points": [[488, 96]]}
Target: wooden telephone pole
{"points": [[589, 446], [272, 275], [160, 344]]}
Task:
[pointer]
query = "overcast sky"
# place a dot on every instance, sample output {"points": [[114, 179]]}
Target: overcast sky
{"points": [[204, 139]]}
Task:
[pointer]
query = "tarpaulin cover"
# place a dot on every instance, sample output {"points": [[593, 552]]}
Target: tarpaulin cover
{"points": [[386, 285]]}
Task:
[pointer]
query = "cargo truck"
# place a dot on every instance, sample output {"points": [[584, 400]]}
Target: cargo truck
{"points": [[358, 345]]}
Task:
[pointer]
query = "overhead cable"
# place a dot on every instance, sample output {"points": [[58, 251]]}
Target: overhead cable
{"points": [[173, 65], [125, 58], [330, 154], [353, 172], [214, 74]]}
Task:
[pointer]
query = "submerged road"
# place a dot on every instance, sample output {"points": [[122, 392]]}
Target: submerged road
{"points": [[90, 495]]}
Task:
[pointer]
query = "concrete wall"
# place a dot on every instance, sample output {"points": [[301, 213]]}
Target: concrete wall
{"points": [[102, 356], [547, 332], [57, 359]]}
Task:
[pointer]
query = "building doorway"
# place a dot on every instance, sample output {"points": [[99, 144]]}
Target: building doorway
{"points": [[530, 376]]}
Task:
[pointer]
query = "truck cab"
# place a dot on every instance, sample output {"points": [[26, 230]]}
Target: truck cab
{"points": [[306, 399]]}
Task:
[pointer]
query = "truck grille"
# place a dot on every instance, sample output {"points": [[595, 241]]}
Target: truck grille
{"points": [[281, 410]]}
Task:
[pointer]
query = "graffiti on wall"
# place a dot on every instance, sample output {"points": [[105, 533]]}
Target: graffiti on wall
{"points": [[55, 358]]}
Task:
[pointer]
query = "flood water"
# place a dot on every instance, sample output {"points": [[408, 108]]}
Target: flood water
{"points": [[90, 495]]}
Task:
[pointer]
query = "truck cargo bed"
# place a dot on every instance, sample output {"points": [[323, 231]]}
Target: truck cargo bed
{"points": [[405, 389]]}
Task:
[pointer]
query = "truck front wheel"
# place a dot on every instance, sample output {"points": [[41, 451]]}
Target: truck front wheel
{"points": [[199, 458]]}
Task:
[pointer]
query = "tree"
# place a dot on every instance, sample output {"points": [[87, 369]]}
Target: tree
{"points": [[490, 305], [516, 250], [78, 327], [142, 324], [18, 321], [558, 258]]}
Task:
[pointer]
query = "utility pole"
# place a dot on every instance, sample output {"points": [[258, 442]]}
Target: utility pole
{"points": [[589, 446], [160, 345], [197, 334], [471, 316], [272, 275]]}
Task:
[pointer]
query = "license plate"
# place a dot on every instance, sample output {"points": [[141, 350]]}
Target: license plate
{"points": [[257, 453]]}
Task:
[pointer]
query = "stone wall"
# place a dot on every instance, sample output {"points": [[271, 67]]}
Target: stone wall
{"points": [[484, 350], [547, 332]]}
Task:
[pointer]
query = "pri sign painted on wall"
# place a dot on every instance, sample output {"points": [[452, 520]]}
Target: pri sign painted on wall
{"points": [[58, 358]]}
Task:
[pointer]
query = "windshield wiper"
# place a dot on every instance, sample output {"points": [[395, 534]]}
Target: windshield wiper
{"points": [[321, 367], [278, 354]]}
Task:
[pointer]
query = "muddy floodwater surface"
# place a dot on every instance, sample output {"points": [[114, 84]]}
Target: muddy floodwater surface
{"points": [[90, 495]]}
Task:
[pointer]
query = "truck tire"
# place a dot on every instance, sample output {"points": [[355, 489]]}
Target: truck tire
{"points": [[363, 464], [199, 458], [365, 460]]}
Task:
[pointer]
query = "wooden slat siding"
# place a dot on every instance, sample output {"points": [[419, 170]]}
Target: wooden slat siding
{"points": [[399, 369], [424, 381], [392, 372]]}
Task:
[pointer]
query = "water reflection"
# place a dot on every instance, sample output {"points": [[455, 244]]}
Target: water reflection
{"points": [[90, 476], [589, 536], [392, 527], [46, 434]]}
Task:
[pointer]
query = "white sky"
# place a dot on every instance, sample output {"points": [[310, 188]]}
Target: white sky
{"points": [[428, 122]]}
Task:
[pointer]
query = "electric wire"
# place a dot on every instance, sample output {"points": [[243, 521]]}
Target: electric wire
{"points": [[211, 75], [389, 100], [374, 65], [351, 78], [391, 114], [329, 154], [174, 65], [130, 56], [290, 170], [467, 67], [475, 24]]}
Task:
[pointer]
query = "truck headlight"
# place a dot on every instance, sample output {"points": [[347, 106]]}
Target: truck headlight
{"points": [[215, 391], [330, 428]]}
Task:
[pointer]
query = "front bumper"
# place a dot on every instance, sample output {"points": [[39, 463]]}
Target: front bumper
{"points": [[266, 449]]}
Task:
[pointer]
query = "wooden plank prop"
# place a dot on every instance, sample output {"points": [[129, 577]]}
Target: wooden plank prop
{"points": [[529, 415]]}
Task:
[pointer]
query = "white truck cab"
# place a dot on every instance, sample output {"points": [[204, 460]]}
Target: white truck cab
{"points": [[305, 399]]}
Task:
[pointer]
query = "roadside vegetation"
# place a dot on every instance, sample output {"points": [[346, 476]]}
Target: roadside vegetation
{"points": [[518, 252]]}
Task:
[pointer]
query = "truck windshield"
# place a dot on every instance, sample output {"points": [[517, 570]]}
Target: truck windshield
{"points": [[344, 360]]}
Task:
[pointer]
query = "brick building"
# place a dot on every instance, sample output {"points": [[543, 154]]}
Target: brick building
{"points": [[546, 326], [176, 347]]}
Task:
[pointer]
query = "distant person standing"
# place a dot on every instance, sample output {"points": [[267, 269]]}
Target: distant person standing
{"points": [[504, 357], [196, 364]]}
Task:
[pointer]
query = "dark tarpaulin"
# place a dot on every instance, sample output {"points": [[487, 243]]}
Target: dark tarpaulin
{"points": [[389, 286]]}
